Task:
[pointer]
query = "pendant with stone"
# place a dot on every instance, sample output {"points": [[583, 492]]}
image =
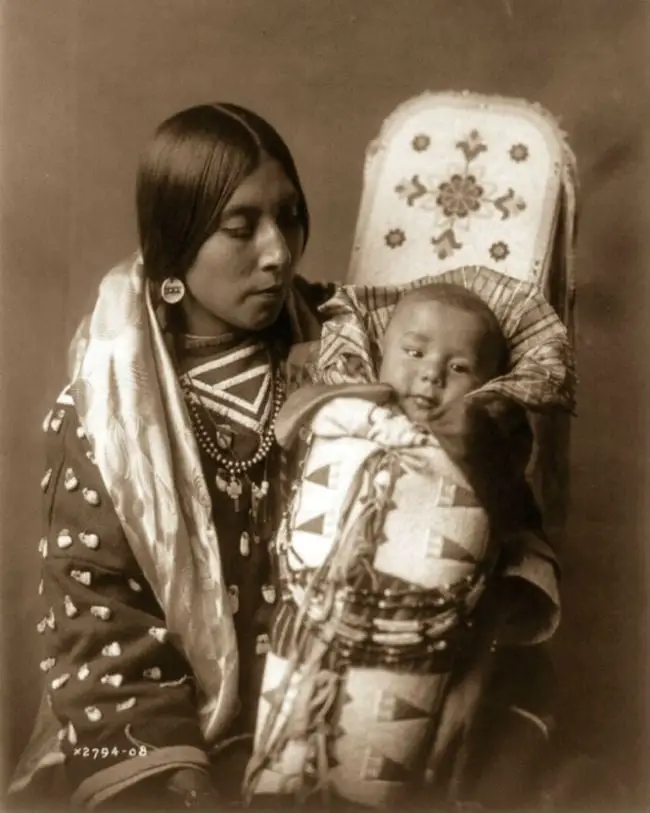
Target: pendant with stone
{"points": [[224, 437], [222, 480], [262, 644], [234, 490], [268, 593], [257, 495]]}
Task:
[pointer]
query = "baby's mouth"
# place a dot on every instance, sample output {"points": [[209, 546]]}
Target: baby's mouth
{"points": [[425, 407], [425, 402]]}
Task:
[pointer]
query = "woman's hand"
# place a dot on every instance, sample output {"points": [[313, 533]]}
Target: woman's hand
{"points": [[466, 429], [192, 789], [186, 788], [484, 438]]}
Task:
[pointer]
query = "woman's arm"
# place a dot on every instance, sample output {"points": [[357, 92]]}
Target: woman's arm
{"points": [[123, 693], [488, 441], [491, 440]]}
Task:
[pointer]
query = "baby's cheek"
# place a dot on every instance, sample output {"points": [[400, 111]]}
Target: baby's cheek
{"points": [[462, 388]]}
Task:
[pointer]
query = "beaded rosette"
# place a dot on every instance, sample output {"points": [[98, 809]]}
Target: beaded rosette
{"points": [[457, 179], [377, 606]]}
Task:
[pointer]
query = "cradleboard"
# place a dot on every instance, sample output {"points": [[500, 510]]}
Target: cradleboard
{"points": [[453, 180]]}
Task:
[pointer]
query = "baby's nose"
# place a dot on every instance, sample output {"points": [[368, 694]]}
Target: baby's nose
{"points": [[433, 373]]}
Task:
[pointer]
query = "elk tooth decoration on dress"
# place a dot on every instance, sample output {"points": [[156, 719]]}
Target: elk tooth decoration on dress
{"points": [[60, 681], [93, 714], [91, 496], [70, 480], [46, 479], [114, 680], [268, 593], [126, 704], [245, 544], [100, 611], [57, 421], [70, 609], [159, 633], [90, 540], [47, 420], [64, 540]]}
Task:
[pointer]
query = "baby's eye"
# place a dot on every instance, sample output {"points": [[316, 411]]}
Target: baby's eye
{"points": [[413, 352], [459, 367]]}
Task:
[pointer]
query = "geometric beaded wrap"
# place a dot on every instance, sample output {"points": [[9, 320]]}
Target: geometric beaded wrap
{"points": [[385, 552]]}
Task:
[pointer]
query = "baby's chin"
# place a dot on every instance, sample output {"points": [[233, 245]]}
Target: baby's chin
{"points": [[420, 412]]}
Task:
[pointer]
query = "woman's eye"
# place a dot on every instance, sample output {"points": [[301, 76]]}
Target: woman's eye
{"points": [[413, 352], [239, 229]]}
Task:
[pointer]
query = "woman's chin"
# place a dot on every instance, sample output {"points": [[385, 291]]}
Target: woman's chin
{"points": [[265, 314]]}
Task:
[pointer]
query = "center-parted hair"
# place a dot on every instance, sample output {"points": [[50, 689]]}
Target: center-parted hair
{"points": [[188, 173]]}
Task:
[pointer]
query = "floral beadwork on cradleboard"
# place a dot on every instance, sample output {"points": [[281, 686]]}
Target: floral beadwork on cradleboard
{"points": [[456, 200], [464, 179]]}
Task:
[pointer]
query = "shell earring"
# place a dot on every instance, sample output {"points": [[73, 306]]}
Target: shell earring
{"points": [[172, 290]]}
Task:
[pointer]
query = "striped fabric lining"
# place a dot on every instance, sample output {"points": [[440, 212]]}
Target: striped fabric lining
{"points": [[542, 367]]}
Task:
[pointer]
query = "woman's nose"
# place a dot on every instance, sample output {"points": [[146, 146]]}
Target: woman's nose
{"points": [[274, 251]]}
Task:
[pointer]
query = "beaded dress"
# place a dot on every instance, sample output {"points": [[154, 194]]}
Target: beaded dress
{"points": [[233, 394]]}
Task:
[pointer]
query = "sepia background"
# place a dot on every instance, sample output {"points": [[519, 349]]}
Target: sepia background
{"points": [[84, 84]]}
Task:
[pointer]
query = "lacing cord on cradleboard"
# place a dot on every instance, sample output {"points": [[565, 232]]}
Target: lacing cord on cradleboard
{"points": [[330, 576], [320, 625]]}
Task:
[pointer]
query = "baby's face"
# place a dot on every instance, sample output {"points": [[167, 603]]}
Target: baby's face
{"points": [[434, 353]]}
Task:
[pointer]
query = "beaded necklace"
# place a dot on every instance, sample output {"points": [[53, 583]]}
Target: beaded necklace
{"points": [[204, 345], [236, 470]]}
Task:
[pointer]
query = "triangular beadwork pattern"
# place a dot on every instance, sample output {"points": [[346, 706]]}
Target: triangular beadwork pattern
{"points": [[238, 385]]}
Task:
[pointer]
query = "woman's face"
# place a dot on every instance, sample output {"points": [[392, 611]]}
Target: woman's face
{"points": [[241, 276]]}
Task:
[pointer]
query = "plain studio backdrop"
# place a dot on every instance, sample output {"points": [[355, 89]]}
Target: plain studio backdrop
{"points": [[85, 83]]}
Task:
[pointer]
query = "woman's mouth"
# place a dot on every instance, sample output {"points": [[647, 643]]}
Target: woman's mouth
{"points": [[273, 291]]}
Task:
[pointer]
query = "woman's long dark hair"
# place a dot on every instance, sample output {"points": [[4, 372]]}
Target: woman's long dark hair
{"points": [[189, 171]]}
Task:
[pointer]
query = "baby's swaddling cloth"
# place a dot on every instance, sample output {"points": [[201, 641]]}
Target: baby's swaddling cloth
{"points": [[384, 553]]}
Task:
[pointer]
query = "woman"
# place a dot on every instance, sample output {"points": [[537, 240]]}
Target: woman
{"points": [[162, 487], [161, 462]]}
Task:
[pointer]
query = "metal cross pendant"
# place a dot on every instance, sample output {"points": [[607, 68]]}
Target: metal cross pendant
{"points": [[234, 490]]}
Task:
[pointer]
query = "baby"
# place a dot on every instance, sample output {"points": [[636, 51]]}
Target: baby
{"points": [[410, 502], [442, 343]]}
